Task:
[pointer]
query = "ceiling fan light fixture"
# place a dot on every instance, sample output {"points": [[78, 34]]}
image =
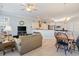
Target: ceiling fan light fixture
{"points": [[31, 7], [68, 18], [28, 9]]}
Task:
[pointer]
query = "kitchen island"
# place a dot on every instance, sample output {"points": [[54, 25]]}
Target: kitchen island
{"points": [[46, 34]]}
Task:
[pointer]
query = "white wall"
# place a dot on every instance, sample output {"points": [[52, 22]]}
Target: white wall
{"points": [[14, 22], [72, 25]]}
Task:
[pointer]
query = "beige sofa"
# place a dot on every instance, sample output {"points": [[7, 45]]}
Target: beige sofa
{"points": [[30, 42]]}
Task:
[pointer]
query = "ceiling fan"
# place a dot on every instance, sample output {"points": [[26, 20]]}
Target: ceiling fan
{"points": [[30, 7]]}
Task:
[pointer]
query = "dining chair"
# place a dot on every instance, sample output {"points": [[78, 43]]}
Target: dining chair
{"points": [[77, 43], [61, 40]]}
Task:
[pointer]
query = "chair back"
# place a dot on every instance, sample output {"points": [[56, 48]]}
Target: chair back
{"points": [[77, 41], [1, 46], [61, 36]]}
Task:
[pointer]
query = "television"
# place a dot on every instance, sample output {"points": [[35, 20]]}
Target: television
{"points": [[21, 30]]}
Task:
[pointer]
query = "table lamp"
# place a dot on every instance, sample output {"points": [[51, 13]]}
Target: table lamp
{"points": [[8, 29]]}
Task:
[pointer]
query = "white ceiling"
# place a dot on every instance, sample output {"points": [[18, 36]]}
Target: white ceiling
{"points": [[44, 10]]}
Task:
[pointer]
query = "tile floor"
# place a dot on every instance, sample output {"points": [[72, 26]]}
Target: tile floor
{"points": [[47, 49]]}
